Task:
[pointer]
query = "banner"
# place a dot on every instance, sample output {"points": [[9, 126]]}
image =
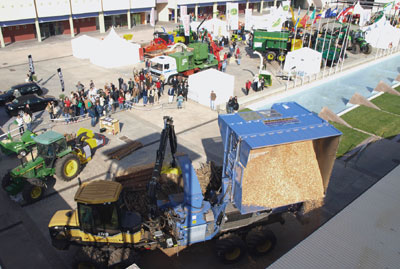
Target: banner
{"points": [[186, 24], [60, 75], [234, 16], [31, 67], [247, 19], [152, 19], [183, 11]]}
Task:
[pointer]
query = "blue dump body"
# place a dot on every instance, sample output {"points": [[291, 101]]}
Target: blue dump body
{"points": [[200, 220]]}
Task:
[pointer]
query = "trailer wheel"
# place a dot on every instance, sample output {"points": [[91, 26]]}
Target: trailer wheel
{"points": [[270, 56], [169, 82], [121, 258], [89, 257], [68, 167], [230, 249], [357, 48], [32, 193], [260, 242]]}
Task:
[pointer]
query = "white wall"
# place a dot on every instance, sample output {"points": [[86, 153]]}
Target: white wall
{"points": [[51, 8], [162, 12], [87, 6], [142, 3], [16, 10], [115, 5], [191, 2]]}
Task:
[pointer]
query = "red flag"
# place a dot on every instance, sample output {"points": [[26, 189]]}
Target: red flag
{"points": [[344, 13], [304, 20], [318, 17]]}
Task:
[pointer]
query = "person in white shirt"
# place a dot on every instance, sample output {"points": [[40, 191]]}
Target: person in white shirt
{"points": [[20, 123]]}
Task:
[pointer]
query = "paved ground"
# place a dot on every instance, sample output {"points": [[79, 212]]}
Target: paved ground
{"points": [[23, 230]]}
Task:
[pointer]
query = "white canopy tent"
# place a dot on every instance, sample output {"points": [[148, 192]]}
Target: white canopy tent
{"points": [[201, 84], [382, 35], [115, 51], [215, 27], [304, 61], [83, 46]]}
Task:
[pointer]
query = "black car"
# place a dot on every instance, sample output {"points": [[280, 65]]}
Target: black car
{"points": [[36, 103], [24, 89]]}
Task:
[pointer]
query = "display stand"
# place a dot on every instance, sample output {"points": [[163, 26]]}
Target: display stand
{"points": [[112, 125]]}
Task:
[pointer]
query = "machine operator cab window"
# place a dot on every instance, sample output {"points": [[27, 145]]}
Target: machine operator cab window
{"points": [[99, 219], [49, 151]]}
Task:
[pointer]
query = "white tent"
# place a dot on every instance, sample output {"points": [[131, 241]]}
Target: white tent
{"points": [[304, 61], [382, 35], [115, 51], [83, 46], [201, 84], [215, 27]]}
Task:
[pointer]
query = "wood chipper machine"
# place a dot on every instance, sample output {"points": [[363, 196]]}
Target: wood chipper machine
{"points": [[274, 160]]}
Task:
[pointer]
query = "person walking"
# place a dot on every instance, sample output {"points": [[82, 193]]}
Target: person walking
{"points": [[180, 101], [92, 115], [145, 96], [239, 58], [20, 123], [171, 93], [213, 97], [229, 105], [121, 101], [248, 87], [50, 110]]}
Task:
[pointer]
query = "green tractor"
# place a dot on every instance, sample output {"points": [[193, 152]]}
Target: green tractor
{"points": [[358, 43], [54, 157], [11, 145]]}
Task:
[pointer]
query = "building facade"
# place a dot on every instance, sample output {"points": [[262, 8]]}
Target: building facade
{"points": [[30, 19]]}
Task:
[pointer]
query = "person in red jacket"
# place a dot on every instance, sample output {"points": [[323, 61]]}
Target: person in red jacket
{"points": [[248, 86], [121, 102]]}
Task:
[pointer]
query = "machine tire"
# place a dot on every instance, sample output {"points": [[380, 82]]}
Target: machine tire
{"points": [[270, 56], [121, 258], [169, 81], [32, 193], [89, 257], [260, 242], [367, 49], [281, 57], [230, 248], [70, 163], [6, 181]]}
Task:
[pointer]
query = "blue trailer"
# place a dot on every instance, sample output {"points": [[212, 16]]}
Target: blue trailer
{"points": [[273, 161]]}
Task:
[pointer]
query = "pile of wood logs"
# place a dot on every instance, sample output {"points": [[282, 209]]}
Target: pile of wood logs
{"points": [[124, 150]]}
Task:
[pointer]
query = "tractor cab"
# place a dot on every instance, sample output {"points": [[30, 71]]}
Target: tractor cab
{"points": [[100, 211], [50, 145]]}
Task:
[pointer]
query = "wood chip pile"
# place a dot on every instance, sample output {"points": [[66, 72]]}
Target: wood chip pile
{"points": [[282, 175], [124, 150], [209, 176]]}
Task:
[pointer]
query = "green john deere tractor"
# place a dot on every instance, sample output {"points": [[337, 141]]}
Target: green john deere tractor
{"points": [[11, 145], [54, 157]]}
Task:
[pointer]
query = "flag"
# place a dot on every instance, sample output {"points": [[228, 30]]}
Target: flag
{"points": [[319, 16], [327, 13], [397, 6], [60, 75], [313, 14], [388, 6], [304, 20], [298, 18], [344, 13], [333, 13], [152, 19]]}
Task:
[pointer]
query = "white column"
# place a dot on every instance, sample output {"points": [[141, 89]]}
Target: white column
{"points": [[247, 4], [176, 14], [196, 11], [39, 37], [71, 26], [101, 22], [275, 3], [128, 14], [2, 44], [215, 9], [261, 6]]}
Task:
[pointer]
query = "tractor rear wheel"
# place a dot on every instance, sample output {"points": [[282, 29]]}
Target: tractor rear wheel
{"points": [[32, 193], [357, 49], [260, 242], [230, 248], [270, 56], [68, 167], [367, 49]]}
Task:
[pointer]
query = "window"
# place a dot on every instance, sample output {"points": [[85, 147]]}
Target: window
{"points": [[16, 27], [60, 145], [157, 66], [166, 66], [100, 218]]}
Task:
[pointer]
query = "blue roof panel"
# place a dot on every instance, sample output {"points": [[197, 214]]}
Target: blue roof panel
{"points": [[286, 123]]}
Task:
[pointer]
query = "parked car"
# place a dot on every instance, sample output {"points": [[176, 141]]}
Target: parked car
{"points": [[24, 89], [36, 103]]}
